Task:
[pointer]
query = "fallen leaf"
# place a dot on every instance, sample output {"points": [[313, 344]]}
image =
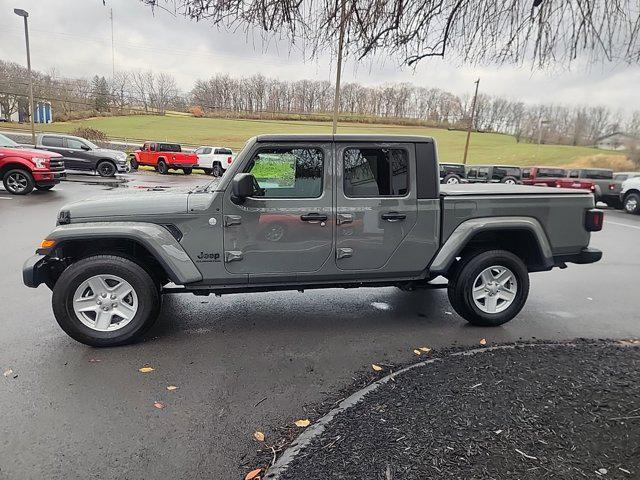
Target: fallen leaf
{"points": [[425, 349], [376, 368], [8, 372], [259, 436], [483, 341], [253, 474], [159, 405], [302, 423], [171, 388], [146, 369], [417, 352]]}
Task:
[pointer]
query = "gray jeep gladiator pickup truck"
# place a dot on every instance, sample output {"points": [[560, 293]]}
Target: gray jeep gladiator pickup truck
{"points": [[309, 211]]}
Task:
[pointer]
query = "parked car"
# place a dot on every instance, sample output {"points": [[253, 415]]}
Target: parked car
{"points": [[607, 189], [109, 260], [452, 173], [630, 195], [542, 176], [23, 169], [494, 174], [164, 156], [622, 176], [577, 184], [82, 155], [214, 160]]}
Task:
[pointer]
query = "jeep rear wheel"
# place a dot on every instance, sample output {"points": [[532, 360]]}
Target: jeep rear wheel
{"points": [[105, 300], [18, 182], [163, 169], [489, 288]]}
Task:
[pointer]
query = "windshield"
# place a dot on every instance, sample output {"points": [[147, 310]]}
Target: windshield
{"points": [[7, 142]]}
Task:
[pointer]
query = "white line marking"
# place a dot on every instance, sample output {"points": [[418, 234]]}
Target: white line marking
{"points": [[5, 198], [622, 224]]}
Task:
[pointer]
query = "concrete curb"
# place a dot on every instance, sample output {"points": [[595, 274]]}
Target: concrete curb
{"points": [[318, 427]]}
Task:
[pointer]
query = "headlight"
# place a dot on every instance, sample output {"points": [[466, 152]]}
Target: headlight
{"points": [[39, 162]]}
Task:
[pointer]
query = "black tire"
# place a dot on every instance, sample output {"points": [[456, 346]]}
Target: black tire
{"points": [[207, 171], [217, 170], [149, 300], [163, 168], [106, 168], [464, 275], [134, 163], [452, 178], [187, 171], [44, 188], [18, 181], [509, 180], [614, 203], [632, 203]]}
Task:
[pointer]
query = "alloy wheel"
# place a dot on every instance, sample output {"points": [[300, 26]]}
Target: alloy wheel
{"points": [[17, 182], [494, 289], [105, 303]]}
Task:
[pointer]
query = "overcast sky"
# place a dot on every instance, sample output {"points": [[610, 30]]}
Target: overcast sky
{"points": [[74, 38]]}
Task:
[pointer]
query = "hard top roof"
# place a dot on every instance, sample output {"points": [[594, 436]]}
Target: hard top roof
{"points": [[344, 138]]}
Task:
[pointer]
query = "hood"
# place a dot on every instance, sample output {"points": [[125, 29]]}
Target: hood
{"points": [[107, 152], [140, 204], [31, 152]]}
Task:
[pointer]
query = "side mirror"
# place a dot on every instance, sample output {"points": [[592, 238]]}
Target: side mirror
{"points": [[243, 186], [85, 147]]}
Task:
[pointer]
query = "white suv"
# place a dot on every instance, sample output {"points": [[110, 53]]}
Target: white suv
{"points": [[630, 195], [214, 160]]}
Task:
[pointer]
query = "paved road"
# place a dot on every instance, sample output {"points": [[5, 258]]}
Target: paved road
{"points": [[66, 416]]}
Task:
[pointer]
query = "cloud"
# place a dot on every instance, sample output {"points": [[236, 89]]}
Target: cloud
{"points": [[73, 37]]}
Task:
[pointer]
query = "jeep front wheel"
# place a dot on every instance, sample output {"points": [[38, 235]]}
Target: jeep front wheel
{"points": [[105, 300], [163, 168], [490, 288]]}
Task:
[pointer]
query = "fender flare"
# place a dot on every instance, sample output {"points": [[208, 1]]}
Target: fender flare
{"points": [[464, 232], [155, 238]]}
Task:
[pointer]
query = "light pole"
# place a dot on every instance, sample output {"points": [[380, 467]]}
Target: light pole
{"points": [[32, 111], [541, 122]]}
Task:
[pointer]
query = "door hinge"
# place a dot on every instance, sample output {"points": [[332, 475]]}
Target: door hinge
{"points": [[232, 255], [232, 220], [343, 218], [344, 253]]}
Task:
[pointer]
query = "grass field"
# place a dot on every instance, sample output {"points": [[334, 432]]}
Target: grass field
{"points": [[484, 148]]}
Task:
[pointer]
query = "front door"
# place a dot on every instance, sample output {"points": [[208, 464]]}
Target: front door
{"points": [[286, 227], [376, 205], [81, 158]]}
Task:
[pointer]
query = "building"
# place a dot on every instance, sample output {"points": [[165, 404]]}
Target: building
{"points": [[618, 141]]}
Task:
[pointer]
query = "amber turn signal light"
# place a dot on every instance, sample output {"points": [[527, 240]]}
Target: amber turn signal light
{"points": [[46, 243]]}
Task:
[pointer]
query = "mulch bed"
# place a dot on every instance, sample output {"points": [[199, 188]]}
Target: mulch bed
{"points": [[564, 412]]}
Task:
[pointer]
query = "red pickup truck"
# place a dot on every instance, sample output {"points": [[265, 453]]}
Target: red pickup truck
{"points": [[163, 156], [542, 176], [23, 169]]}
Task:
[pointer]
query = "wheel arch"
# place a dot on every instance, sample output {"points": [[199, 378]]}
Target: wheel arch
{"points": [[16, 163], [151, 246], [522, 236]]}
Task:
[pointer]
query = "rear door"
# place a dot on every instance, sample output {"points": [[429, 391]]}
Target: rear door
{"points": [[53, 143], [376, 203], [286, 228]]}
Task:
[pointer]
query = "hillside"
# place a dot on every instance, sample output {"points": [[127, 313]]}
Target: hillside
{"points": [[484, 148]]}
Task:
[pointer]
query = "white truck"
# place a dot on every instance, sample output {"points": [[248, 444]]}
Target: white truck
{"points": [[214, 160]]}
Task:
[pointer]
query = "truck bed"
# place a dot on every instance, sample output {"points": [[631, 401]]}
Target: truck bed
{"points": [[466, 189]]}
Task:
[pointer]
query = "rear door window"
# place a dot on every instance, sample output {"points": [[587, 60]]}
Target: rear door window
{"points": [[49, 141], [376, 172]]}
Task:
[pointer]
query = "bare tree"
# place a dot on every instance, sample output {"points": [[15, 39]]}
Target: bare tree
{"points": [[477, 31]]}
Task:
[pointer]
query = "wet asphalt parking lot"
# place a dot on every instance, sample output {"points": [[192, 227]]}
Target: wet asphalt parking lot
{"points": [[241, 362]]}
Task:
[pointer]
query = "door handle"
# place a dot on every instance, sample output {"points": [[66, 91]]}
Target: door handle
{"points": [[393, 216], [313, 218]]}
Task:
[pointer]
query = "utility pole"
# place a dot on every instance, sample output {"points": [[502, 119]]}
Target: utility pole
{"points": [[336, 98], [472, 117], [113, 48], [540, 123], [24, 14]]}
